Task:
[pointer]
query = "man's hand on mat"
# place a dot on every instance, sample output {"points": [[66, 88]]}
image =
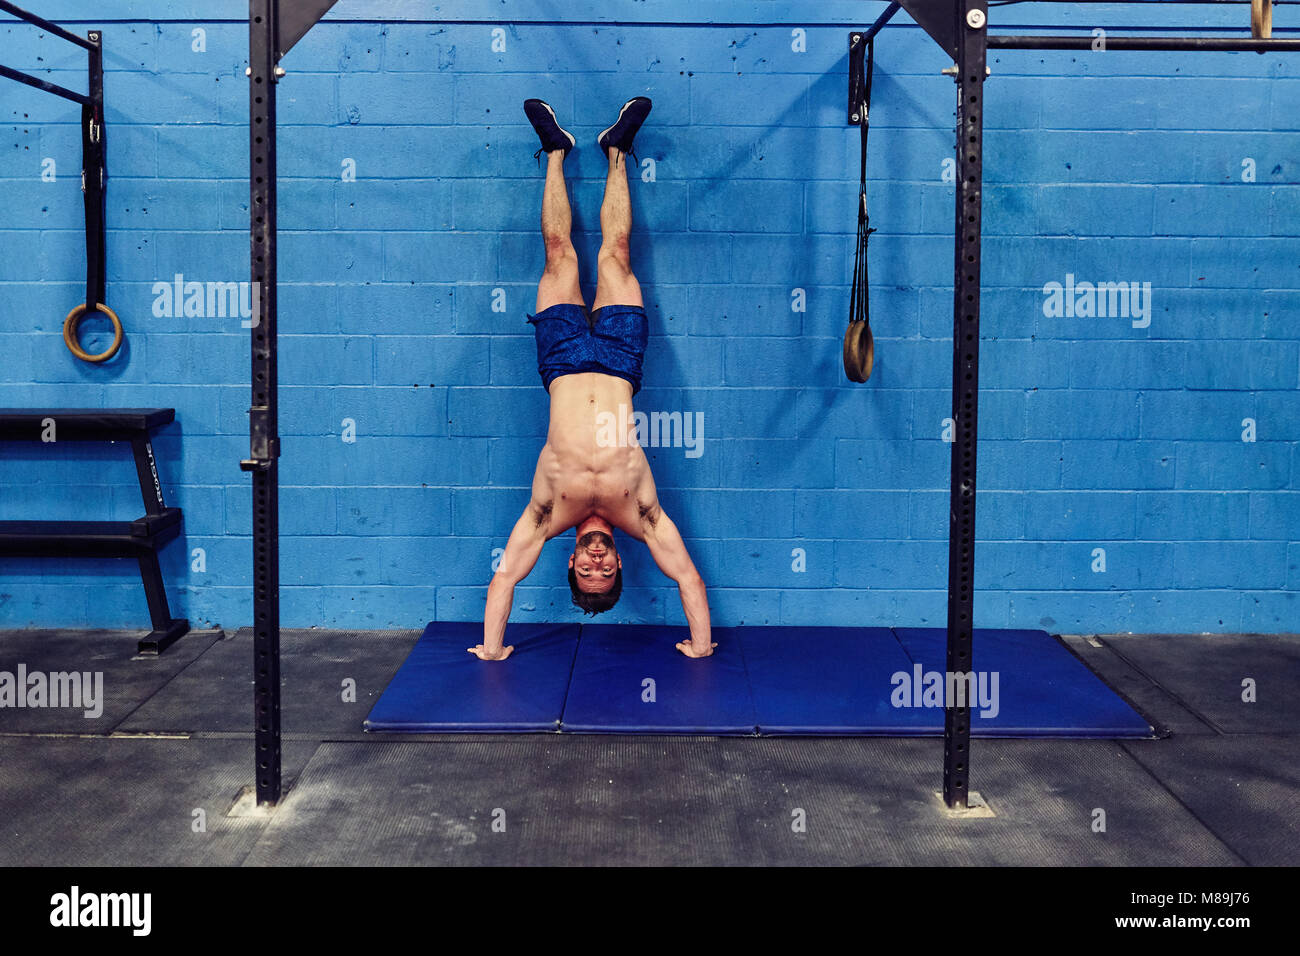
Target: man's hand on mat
{"points": [[687, 648], [482, 653]]}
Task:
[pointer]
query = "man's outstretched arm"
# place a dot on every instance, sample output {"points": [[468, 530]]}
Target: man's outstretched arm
{"points": [[669, 552], [522, 550]]}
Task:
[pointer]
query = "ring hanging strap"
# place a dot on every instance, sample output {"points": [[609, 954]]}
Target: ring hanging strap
{"points": [[858, 310], [92, 185]]}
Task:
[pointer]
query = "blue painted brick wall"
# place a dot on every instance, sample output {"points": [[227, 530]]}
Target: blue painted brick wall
{"points": [[1104, 439]]}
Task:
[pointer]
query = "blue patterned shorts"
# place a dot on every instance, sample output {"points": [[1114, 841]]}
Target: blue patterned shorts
{"points": [[613, 341]]}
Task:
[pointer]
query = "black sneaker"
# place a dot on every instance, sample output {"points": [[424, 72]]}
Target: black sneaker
{"points": [[630, 118], [553, 135]]}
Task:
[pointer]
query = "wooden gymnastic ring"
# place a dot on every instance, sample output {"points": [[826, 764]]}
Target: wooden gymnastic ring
{"points": [[851, 369], [73, 320], [850, 366], [1261, 19], [859, 351]]}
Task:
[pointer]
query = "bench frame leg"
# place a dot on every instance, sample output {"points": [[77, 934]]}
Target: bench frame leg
{"points": [[166, 629]]}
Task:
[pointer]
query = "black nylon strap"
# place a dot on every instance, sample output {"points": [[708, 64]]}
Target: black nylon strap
{"points": [[858, 307], [93, 172], [866, 107]]}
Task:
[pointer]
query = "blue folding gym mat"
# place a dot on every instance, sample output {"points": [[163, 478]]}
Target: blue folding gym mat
{"points": [[832, 681], [1042, 689], [442, 687], [827, 681], [620, 667]]}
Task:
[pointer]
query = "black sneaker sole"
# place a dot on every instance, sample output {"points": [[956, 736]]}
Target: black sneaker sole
{"points": [[547, 106], [600, 139]]}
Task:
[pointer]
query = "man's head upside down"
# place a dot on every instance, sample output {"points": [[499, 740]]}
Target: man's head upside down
{"points": [[595, 569]]}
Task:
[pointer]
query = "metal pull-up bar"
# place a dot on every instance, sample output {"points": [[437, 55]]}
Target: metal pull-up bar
{"points": [[47, 26], [91, 45], [39, 84], [1167, 44], [937, 18]]}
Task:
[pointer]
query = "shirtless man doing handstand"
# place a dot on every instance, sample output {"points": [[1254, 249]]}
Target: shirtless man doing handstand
{"points": [[590, 365]]}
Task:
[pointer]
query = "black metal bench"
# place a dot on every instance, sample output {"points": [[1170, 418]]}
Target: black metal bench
{"points": [[139, 539]]}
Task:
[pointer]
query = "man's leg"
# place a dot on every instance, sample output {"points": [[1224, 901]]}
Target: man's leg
{"points": [[559, 282], [615, 283]]}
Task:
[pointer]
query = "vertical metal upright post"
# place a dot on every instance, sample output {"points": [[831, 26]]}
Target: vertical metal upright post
{"points": [[971, 49], [264, 442]]}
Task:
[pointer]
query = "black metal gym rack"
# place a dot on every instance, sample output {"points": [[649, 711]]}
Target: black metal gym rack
{"points": [[960, 29]]}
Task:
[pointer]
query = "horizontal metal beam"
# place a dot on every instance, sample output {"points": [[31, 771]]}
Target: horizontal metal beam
{"points": [[44, 24], [46, 86], [1139, 3], [1170, 44]]}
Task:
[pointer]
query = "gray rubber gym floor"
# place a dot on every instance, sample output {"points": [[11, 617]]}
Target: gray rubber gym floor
{"points": [[151, 779]]}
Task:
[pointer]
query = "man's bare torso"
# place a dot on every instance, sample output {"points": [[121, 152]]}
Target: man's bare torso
{"points": [[580, 471]]}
